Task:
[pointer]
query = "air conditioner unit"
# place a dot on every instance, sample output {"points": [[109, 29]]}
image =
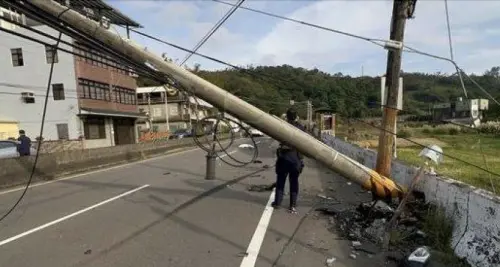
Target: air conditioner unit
{"points": [[28, 97]]}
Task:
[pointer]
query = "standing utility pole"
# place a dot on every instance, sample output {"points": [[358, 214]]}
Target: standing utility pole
{"points": [[401, 11]]}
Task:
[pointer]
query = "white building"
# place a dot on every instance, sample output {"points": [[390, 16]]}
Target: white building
{"points": [[25, 67], [88, 100]]}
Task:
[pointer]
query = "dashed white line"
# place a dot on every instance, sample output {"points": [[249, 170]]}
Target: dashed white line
{"points": [[41, 227], [225, 155], [258, 236]]}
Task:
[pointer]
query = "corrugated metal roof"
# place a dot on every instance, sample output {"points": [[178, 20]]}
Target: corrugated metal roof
{"points": [[100, 7]]}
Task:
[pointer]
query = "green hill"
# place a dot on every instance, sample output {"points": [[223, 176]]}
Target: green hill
{"points": [[271, 88]]}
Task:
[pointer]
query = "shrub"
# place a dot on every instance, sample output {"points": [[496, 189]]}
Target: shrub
{"points": [[404, 133], [453, 131], [491, 127]]}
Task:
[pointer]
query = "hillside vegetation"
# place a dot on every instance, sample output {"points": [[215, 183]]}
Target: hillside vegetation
{"points": [[271, 88]]}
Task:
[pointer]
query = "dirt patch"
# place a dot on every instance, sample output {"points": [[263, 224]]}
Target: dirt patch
{"points": [[403, 143]]}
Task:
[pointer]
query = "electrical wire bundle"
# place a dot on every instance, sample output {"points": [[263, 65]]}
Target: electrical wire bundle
{"points": [[115, 60]]}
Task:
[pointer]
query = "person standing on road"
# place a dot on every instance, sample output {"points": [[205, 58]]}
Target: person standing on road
{"points": [[24, 144], [289, 164]]}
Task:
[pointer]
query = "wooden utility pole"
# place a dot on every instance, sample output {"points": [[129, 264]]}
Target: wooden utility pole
{"points": [[401, 11]]}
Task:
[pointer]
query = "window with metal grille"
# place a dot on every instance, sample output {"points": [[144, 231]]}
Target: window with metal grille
{"points": [[17, 57], [62, 131], [58, 91], [94, 128], [93, 90], [51, 54]]}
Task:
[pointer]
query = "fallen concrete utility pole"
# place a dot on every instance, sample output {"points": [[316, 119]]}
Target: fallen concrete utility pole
{"points": [[278, 129]]}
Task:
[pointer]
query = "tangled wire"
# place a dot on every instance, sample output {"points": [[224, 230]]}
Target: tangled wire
{"points": [[215, 146]]}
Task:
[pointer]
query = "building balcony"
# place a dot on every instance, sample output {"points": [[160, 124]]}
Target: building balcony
{"points": [[172, 118]]}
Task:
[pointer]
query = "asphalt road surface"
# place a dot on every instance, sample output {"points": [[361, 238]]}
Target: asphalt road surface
{"points": [[162, 212]]}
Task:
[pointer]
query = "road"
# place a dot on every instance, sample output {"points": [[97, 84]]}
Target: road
{"points": [[162, 212]]}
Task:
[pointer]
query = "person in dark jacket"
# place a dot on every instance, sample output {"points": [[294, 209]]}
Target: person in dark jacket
{"points": [[289, 164], [24, 144]]}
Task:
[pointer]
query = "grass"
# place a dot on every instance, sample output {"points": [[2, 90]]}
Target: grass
{"points": [[468, 147], [439, 230], [464, 147]]}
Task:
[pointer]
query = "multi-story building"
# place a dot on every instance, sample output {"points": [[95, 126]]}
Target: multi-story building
{"points": [[169, 110], [88, 100]]}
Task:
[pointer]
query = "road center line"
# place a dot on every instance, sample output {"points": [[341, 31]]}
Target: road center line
{"points": [[258, 236], [41, 227], [225, 155]]}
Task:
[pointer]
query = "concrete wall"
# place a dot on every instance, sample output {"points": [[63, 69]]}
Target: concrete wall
{"points": [[33, 77], [16, 171], [475, 212]]}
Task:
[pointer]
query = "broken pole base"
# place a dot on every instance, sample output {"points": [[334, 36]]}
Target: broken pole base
{"points": [[210, 171]]}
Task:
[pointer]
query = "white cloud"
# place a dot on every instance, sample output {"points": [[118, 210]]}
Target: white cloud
{"points": [[474, 28], [300, 45]]}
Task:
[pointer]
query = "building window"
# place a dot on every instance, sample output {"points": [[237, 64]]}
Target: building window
{"points": [[17, 57], [93, 90], [125, 96], [94, 128], [156, 112], [51, 54], [62, 131], [58, 91]]}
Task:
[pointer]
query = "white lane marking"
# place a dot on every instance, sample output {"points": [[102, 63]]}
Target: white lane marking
{"points": [[41, 227], [258, 236], [225, 155], [173, 152]]}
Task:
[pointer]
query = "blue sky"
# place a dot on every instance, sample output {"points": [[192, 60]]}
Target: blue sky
{"points": [[251, 38]]}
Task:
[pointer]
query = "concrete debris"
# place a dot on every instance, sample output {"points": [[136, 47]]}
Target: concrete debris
{"points": [[419, 258], [356, 243], [87, 252], [349, 183], [262, 187], [376, 230], [352, 256], [330, 261], [369, 248], [421, 233]]}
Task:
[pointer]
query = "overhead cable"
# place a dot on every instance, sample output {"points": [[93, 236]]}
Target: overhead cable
{"points": [[213, 30]]}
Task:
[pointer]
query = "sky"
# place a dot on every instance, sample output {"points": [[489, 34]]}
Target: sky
{"points": [[249, 38]]}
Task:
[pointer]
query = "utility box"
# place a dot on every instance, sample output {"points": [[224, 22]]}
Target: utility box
{"points": [[324, 122], [383, 93]]}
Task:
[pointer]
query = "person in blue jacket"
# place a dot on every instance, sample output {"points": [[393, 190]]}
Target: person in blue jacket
{"points": [[289, 164], [24, 144]]}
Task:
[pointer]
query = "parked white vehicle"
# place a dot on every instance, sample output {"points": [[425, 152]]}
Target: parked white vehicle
{"points": [[8, 149]]}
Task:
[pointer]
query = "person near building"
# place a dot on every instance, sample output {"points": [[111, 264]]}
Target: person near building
{"points": [[24, 144], [289, 164]]}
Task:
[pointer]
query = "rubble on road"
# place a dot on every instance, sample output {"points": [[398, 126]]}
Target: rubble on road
{"points": [[365, 225]]}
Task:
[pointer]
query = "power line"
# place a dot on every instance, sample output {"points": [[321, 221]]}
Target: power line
{"points": [[244, 70], [372, 40], [44, 113], [213, 30]]}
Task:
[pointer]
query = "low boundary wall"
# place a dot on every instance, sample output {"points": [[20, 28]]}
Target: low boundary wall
{"points": [[16, 171], [475, 212]]}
